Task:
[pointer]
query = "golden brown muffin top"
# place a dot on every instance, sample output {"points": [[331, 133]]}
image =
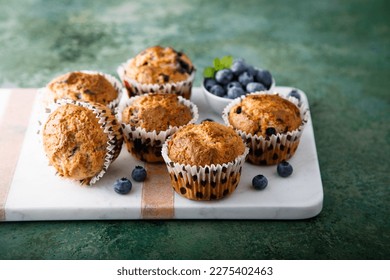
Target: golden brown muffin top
{"points": [[84, 87], [158, 65], [205, 144], [264, 115], [74, 142], [158, 112]]}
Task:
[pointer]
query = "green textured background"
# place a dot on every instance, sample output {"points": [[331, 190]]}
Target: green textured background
{"points": [[338, 52]]}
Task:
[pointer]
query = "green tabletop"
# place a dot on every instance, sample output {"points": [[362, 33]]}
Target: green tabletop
{"points": [[337, 52]]}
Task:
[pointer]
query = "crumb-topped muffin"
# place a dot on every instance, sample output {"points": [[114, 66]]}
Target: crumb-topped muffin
{"points": [[158, 69], [157, 112], [159, 65], [205, 160], [265, 115], [149, 119], [86, 86], [81, 140], [269, 123], [205, 144]]}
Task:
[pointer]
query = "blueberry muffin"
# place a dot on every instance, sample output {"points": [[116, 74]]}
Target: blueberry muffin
{"points": [[205, 160], [270, 124], [149, 119], [86, 86], [158, 69], [81, 140]]}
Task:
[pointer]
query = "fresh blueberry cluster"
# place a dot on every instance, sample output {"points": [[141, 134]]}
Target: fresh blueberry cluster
{"points": [[231, 79]]}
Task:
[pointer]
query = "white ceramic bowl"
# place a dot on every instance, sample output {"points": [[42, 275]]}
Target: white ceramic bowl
{"points": [[217, 103]]}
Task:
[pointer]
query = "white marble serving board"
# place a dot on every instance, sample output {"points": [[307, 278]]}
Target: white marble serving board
{"points": [[37, 194]]}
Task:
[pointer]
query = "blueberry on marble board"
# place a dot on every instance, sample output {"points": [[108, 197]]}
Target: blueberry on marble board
{"points": [[139, 174], [224, 76], [218, 90], [284, 169], [259, 182], [122, 186]]}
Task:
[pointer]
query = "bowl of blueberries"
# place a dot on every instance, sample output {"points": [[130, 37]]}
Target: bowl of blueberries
{"points": [[229, 79]]}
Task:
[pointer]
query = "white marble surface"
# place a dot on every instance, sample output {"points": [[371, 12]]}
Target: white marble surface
{"points": [[37, 194]]}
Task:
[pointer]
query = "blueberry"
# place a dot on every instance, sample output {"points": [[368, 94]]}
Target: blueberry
{"points": [[138, 174], [294, 93], [238, 67], [245, 78], [284, 169], [253, 86], [235, 92], [209, 82], [217, 90], [251, 70], [122, 186], [259, 182], [224, 76], [233, 84], [264, 77], [270, 131]]}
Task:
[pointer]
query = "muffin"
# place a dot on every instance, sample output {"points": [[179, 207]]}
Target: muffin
{"points": [[158, 69], [205, 160], [81, 139], [86, 86], [149, 119], [270, 124]]}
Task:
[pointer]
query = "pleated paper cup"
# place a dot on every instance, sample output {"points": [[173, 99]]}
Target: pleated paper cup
{"points": [[146, 145], [208, 182], [109, 125], [181, 88], [272, 149]]}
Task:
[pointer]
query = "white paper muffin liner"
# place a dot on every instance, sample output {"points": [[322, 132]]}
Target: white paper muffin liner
{"points": [[151, 139], [208, 182], [182, 88], [46, 95], [275, 148], [108, 123]]}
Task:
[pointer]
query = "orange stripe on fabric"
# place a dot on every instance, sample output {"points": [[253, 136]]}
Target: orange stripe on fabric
{"points": [[13, 127]]}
